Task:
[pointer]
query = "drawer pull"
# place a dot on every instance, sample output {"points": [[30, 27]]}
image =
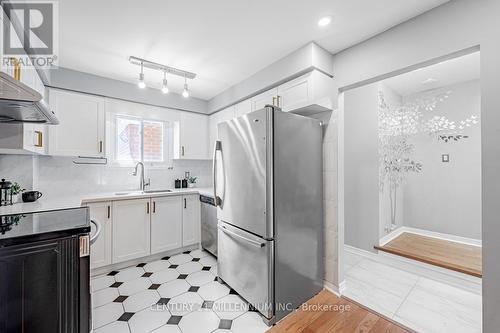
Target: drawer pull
{"points": [[251, 241]]}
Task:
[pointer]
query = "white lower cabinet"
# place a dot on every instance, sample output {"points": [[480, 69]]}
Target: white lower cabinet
{"points": [[131, 229], [100, 251], [166, 223], [190, 219], [138, 228]]}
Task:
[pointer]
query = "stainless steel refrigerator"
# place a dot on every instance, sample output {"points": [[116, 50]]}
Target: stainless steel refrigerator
{"points": [[268, 187]]}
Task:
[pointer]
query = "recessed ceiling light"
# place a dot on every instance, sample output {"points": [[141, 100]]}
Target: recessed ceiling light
{"points": [[324, 21]]}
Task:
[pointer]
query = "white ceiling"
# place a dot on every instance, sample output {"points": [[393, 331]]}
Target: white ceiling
{"points": [[224, 41], [446, 73]]}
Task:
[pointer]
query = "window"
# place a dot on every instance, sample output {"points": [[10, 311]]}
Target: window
{"points": [[137, 139]]}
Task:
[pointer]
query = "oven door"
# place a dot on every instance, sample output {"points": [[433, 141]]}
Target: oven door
{"points": [[245, 263]]}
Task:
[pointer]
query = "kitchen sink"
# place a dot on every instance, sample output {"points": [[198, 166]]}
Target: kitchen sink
{"points": [[157, 191]]}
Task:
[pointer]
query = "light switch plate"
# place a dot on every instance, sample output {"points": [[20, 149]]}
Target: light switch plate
{"points": [[445, 158]]}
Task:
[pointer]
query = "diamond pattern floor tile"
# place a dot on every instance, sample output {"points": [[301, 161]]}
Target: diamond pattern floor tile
{"points": [[250, 322], [132, 287], [114, 327], [199, 322], [173, 288], [148, 319], [230, 307], [101, 282], [189, 267], [180, 259], [157, 266], [129, 274], [164, 276], [213, 291], [184, 304], [200, 278], [104, 296], [178, 294], [106, 314], [141, 300]]}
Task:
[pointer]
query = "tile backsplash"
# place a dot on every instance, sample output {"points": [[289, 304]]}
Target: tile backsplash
{"points": [[59, 176]]}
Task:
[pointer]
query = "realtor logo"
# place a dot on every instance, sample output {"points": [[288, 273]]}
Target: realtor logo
{"points": [[30, 32]]}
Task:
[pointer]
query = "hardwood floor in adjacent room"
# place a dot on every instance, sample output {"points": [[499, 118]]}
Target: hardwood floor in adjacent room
{"points": [[328, 313], [439, 252]]}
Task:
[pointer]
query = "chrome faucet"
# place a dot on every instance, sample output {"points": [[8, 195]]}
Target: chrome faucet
{"points": [[142, 182]]}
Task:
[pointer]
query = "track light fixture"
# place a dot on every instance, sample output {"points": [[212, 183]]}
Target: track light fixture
{"points": [[165, 69], [164, 86], [141, 82]]}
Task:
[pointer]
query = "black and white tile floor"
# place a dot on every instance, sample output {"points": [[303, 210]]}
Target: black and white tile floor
{"points": [[178, 294]]}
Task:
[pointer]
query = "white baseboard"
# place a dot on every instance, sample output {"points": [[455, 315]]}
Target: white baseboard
{"points": [[464, 240], [331, 287], [337, 290], [460, 280]]}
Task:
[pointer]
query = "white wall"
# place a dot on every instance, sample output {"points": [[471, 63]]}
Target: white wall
{"points": [[446, 197], [59, 177], [361, 167], [455, 26]]}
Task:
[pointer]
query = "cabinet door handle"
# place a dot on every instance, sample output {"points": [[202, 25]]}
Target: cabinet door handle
{"points": [[274, 100], [185, 203], [39, 139], [100, 146], [147, 207], [154, 206], [278, 100], [109, 211], [182, 150]]}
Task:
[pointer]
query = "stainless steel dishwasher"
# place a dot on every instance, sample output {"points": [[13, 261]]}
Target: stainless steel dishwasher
{"points": [[208, 224]]}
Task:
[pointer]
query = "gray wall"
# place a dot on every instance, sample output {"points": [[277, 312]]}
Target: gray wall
{"points": [[361, 167], [446, 197], [457, 25]]}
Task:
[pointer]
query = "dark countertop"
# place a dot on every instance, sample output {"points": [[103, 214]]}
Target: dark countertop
{"points": [[29, 227]]}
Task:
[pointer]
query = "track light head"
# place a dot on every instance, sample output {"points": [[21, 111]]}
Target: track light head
{"points": [[185, 92], [164, 86], [141, 82]]}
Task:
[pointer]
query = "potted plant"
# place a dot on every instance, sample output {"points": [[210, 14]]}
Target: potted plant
{"points": [[192, 181], [16, 190]]}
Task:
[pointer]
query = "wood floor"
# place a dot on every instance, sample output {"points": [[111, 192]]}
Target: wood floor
{"points": [[331, 319], [452, 255]]}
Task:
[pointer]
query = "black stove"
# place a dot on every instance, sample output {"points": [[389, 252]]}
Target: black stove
{"points": [[45, 271], [22, 228]]}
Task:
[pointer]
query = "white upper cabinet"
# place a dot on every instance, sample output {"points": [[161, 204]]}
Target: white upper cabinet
{"points": [[307, 94], [191, 220], [131, 229], [193, 136], [266, 98], [166, 223], [81, 128]]}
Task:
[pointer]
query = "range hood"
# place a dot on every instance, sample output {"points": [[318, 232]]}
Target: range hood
{"points": [[21, 104]]}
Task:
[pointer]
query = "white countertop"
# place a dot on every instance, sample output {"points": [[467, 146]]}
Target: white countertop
{"points": [[55, 203]]}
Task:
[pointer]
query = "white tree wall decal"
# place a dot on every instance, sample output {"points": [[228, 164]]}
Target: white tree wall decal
{"points": [[397, 123]]}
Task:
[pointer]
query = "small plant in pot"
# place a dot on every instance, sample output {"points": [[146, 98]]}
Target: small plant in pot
{"points": [[192, 181], [16, 190]]}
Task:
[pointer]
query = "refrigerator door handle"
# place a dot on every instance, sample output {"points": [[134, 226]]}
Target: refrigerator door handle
{"points": [[251, 241], [217, 146]]}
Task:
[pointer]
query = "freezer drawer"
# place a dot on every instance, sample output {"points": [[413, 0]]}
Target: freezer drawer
{"points": [[245, 263]]}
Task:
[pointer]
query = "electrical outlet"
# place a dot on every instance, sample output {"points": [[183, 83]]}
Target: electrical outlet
{"points": [[445, 158]]}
